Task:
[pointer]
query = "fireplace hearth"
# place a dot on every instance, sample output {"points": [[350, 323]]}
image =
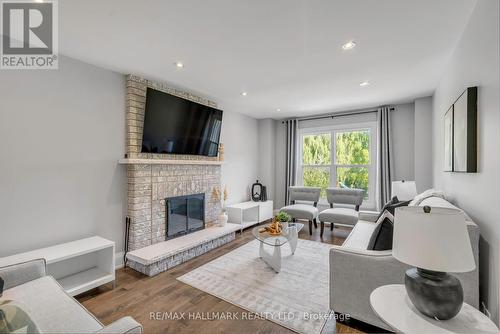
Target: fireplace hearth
{"points": [[184, 215]]}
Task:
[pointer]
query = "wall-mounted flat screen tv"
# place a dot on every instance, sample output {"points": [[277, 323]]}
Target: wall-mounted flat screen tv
{"points": [[173, 125]]}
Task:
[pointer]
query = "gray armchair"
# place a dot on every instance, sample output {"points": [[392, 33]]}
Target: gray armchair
{"points": [[303, 211], [341, 215], [50, 307]]}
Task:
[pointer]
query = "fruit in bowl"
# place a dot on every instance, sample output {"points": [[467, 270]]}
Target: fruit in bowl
{"points": [[274, 228]]}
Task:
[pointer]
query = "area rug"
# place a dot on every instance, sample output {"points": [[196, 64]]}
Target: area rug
{"points": [[296, 298]]}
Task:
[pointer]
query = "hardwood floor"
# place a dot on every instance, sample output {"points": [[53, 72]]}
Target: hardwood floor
{"points": [[139, 296]]}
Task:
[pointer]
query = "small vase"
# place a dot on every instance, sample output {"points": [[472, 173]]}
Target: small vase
{"points": [[223, 219]]}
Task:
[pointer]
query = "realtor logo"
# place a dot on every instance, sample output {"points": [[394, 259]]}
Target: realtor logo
{"points": [[29, 34]]}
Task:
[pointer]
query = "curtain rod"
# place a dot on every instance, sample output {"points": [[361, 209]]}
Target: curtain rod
{"points": [[332, 116]]}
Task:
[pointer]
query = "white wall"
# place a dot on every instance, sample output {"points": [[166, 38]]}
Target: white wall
{"points": [[61, 134], [423, 143], [475, 62], [267, 155], [403, 135], [240, 170], [279, 174]]}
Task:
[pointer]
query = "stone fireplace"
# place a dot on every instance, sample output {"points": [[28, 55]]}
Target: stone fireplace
{"points": [[154, 177]]}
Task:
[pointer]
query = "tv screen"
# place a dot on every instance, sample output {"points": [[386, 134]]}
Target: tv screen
{"points": [[175, 125]]}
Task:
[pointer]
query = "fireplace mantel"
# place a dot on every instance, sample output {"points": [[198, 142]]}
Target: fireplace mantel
{"points": [[128, 161]]}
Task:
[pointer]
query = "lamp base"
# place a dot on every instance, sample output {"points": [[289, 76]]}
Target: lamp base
{"points": [[435, 294]]}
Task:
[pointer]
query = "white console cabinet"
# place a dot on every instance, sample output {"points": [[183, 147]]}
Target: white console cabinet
{"points": [[78, 266], [249, 213]]}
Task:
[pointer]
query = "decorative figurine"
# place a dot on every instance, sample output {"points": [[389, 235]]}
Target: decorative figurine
{"points": [[257, 191]]}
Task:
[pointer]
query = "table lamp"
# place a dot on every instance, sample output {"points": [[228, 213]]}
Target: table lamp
{"points": [[435, 241], [404, 190]]}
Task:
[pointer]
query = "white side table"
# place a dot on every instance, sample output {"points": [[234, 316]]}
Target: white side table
{"points": [[393, 306]]}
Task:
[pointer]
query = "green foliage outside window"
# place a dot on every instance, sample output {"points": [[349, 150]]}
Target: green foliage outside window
{"points": [[317, 177], [317, 149], [351, 148], [353, 177]]}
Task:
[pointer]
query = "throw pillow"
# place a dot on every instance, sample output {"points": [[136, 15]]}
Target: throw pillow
{"points": [[392, 201], [381, 238], [392, 207]]}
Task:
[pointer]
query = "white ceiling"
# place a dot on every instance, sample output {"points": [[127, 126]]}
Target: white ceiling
{"points": [[285, 53]]}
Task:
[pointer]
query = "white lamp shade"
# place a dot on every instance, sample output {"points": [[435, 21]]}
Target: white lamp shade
{"points": [[404, 190], [437, 241]]}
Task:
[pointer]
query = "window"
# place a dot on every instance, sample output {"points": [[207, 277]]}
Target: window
{"points": [[339, 157], [316, 161]]}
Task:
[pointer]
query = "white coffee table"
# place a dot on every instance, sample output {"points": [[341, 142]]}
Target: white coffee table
{"points": [[289, 235], [392, 305]]}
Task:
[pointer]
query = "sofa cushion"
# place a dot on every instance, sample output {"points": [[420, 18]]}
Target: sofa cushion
{"points": [[339, 215], [381, 238], [360, 235], [301, 211], [51, 308]]}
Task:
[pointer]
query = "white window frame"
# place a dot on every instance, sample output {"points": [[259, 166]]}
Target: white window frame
{"points": [[369, 204]]}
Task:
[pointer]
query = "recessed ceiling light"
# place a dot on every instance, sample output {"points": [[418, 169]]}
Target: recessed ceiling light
{"points": [[278, 109], [364, 84], [39, 1], [349, 45], [244, 93], [178, 64]]}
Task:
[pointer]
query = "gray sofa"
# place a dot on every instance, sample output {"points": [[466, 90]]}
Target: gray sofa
{"points": [[50, 307], [355, 271]]}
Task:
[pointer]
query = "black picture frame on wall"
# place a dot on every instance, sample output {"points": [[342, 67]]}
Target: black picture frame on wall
{"points": [[465, 132], [448, 140]]}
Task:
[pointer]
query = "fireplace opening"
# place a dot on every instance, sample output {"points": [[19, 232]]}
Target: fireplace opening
{"points": [[185, 214]]}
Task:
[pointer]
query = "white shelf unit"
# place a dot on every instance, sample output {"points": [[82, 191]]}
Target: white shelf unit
{"points": [[249, 213], [78, 266]]}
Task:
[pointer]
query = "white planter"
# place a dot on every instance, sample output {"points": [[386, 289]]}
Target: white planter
{"points": [[223, 219]]}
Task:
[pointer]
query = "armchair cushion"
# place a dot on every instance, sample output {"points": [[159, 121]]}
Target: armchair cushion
{"points": [[301, 211], [345, 196], [51, 308], [20, 273], [309, 194], [340, 216]]}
